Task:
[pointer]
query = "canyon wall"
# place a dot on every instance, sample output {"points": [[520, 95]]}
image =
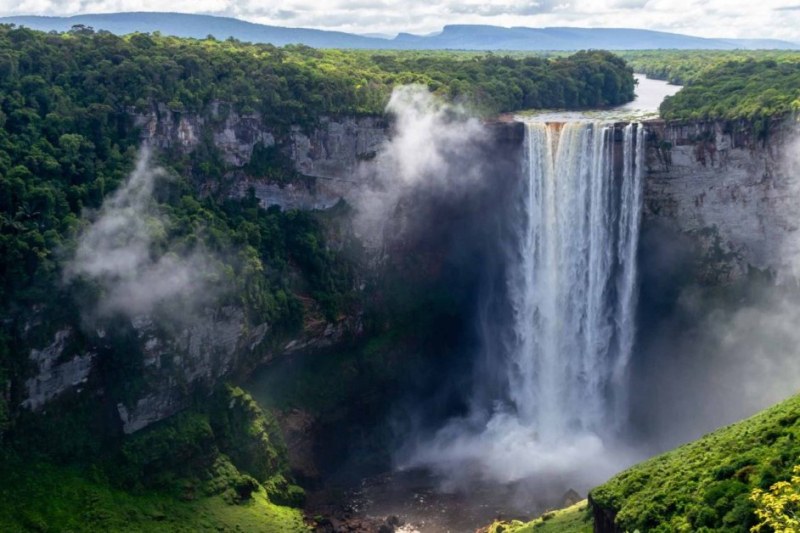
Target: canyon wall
{"points": [[725, 183], [220, 343], [330, 152], [729, 186]]}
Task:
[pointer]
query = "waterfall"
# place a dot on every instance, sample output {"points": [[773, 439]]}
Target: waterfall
{"points": [[572, 277], [550, 387]]}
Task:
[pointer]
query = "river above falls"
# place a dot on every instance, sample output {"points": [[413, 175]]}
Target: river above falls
{"points": [[649, 95]]}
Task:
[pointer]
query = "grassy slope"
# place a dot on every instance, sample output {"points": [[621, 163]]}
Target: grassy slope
{"points": [[705, 485], [702, 486], [573, 519], [43, 497]]}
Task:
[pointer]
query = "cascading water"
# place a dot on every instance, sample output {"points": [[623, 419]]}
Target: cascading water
{"points": [[572, 280], [558, 337]]}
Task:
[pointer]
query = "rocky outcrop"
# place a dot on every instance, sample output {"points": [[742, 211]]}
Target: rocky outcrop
{"points": [[729, 187], [201, 352], [57, 372], [177, 360]]}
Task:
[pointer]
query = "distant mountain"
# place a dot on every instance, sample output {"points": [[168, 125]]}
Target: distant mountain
{"points": [[200, 26], [457, 37], [476, 37]]}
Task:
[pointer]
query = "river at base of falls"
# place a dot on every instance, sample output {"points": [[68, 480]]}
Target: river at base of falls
{"points": [[415, 501]]}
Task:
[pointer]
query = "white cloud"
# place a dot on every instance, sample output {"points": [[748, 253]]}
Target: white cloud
{"points": [[742, 18]]}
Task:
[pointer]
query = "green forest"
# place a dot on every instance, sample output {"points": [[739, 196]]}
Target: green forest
{"points": [[683, 67], [724, 84], [747, 89]]}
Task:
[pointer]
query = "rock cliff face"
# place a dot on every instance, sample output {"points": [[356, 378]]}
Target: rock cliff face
{"points": [[55, 373], [330, 152], [731, 190], [175, 361]]}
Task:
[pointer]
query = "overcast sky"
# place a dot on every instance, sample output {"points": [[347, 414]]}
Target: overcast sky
{"points": [[709, 18]]}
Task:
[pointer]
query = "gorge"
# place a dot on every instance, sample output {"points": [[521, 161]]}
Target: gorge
{"points": [[416, 316], [594, 312]]}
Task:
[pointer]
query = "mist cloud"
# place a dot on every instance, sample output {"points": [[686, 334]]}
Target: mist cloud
{"points": [[504, 450], [118, 251], [428, 154]]}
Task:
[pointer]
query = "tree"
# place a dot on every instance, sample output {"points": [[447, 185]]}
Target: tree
{"points": [[779, 509]]}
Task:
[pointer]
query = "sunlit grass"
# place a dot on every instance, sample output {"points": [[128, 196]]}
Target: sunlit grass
{"points": [[572, 519]]}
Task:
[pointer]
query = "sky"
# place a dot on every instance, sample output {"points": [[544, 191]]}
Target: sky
{"points": [[779, 19]]}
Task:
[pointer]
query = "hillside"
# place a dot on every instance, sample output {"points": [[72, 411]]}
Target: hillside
{"points": [[453, 37], [706, 484]]}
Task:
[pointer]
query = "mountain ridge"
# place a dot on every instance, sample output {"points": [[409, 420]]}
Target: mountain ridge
{"points": [[453, 36]]}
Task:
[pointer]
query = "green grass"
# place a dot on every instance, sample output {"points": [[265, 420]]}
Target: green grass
{"points": [[573, 519], [705, 485], [37, 496]]}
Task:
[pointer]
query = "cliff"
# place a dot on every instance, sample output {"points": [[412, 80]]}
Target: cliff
{"points": [[177, 360], [174, 363], [728, 187], [725, 184], [329, 152]]}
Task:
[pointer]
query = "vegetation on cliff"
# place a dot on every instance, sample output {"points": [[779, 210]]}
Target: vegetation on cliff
{"points": [[708, 484], [292, 84], [218, 466]]}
